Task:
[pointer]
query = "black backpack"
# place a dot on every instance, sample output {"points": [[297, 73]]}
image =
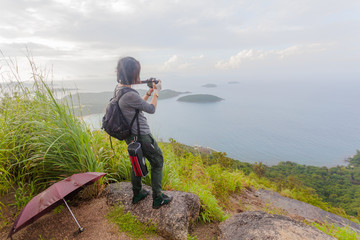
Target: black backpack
{"points": [[114, 122]]}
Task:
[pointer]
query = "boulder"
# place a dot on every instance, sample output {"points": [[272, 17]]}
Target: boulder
{"points": [[172, 221], [305, 210], [258, 225]]}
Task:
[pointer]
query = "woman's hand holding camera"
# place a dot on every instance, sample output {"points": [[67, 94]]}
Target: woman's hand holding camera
{"points": [[157, 87]]}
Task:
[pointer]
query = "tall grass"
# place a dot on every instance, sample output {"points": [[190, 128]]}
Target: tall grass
{"points": [[42, 141], [116, 162]]}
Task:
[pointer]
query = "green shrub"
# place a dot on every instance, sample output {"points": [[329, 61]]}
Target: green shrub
{"points": [[224, 182]]}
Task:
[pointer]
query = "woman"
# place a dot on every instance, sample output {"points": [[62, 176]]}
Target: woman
{"points": [[128, 73]]}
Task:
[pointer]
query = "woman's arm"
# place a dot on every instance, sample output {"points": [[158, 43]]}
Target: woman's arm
{"points": [[148, 94], [133, 100]]}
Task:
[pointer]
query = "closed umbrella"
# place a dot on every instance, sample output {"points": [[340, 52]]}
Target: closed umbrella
{"points": [[52, 197]]}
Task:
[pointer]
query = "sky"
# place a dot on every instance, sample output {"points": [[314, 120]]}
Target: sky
{"points": [[184, 41]]}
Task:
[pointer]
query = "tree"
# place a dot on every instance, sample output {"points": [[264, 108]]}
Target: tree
{"points": [[259, 169]]}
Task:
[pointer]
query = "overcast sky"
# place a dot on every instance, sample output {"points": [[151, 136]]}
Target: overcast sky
{"points": [[187, 40]]}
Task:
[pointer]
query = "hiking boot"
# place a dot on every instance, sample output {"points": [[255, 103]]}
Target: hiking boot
{"points": [[142, 195], [161, 200]]}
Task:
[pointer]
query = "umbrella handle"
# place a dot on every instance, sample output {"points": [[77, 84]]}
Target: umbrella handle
{"points": [[80, 228]]}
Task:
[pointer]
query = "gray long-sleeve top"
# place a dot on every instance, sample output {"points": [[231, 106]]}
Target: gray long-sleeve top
{"points": [[131, 101]]}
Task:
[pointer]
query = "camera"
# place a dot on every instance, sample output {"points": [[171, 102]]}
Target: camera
{"points": [[150, 81]]}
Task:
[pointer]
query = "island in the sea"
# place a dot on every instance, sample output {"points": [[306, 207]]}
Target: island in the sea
{"points": [[200, 98], [168, 93], [209, 85]]}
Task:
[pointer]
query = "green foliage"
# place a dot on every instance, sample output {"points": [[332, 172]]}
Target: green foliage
{"points": [[225, 182], [129, 224], [58, 209], [190, 237], [186, 172], [4, 182], [221, 159], [341, 233], [209, 177], [115, 162], [226, 162]]}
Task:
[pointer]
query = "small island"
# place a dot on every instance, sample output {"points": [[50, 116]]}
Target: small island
{"points": [[200, 98], [209, 85], [233, 82]]}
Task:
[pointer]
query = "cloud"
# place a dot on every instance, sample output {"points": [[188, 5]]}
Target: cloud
{"points": [[160, 24], [198, 57], [175, 62], [72, 33], [249, 55], [87, 7]]}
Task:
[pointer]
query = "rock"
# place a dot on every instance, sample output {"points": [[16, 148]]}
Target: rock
{"points": [[258, 225], [305, 210], [172, 221]]}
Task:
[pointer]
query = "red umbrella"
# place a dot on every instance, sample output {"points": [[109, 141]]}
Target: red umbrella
{"points": [[52, 197]]}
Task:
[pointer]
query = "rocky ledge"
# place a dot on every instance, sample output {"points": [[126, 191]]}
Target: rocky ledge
{"points": [[172, 221], [258, 225]]}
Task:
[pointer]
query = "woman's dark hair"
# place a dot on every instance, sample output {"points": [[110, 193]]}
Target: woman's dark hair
{"points": [[128, 71]]}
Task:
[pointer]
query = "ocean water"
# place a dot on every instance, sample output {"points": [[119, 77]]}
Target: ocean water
{"points": [[311, 123]]}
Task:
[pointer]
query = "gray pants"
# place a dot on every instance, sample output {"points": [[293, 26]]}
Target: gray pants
{"points": [[154, 155]]}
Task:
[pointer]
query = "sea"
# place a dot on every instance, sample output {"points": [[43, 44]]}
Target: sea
{"points": [[308, 122]]}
